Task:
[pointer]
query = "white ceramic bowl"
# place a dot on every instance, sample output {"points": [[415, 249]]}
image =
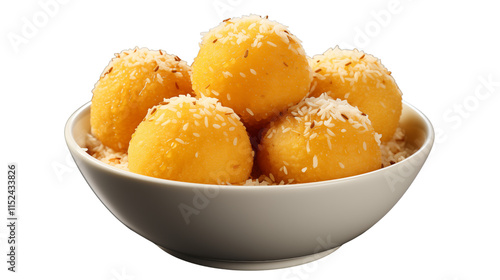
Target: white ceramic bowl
{"points": [[250, 227]]}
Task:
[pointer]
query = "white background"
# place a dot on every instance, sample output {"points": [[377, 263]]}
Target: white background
{"points": [[446, 227]]}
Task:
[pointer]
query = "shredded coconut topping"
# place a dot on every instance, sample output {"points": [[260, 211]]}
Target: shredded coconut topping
{"points": [[235, 31], [206, 103], [142, 57], [349, 65], [328, 109]]}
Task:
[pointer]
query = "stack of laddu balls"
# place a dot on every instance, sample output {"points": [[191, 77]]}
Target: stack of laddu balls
{"points": [[252, 108]]}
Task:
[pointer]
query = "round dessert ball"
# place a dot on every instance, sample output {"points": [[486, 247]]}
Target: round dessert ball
{"points": [[320, 138], [253, 65], [364, 82], [192, 140], [134, 81]]}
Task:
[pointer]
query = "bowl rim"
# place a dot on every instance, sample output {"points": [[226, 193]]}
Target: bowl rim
{"points": [[75, 149]]}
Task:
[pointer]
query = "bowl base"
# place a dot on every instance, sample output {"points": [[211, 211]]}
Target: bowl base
{"points": [[250, 265]]}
